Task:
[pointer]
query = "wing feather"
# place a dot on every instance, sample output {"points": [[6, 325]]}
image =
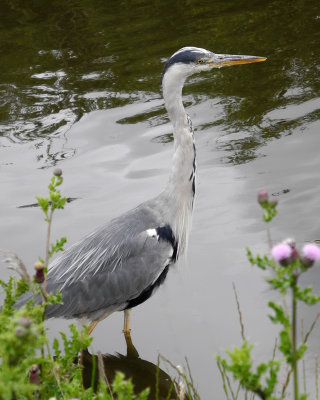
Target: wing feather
{"points": [[111, 266]]}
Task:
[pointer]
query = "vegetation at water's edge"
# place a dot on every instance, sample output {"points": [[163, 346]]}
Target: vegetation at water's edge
{"points": [[286, 265], [28, 370]]}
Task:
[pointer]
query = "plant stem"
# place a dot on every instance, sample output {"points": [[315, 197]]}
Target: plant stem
{"points": [[294, 339], [44, 286], [269, 237], [311, 328], [316, 373], [239, 311], [48, 237], [303, 361], [102, 374], [285, 385]]}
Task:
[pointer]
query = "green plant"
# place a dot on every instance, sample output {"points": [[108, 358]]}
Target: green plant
{"points": [[184, 385], [286, 265], [27, 368]]}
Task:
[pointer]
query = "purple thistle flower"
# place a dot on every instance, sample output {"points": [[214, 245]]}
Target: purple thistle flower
{"points": [[282, 253], [311, 252]]}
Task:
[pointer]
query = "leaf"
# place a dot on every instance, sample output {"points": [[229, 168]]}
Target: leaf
{"points": [[43, 203], [280, 315], [301, 350], [285, 345], [55, 248], [55, 346]]}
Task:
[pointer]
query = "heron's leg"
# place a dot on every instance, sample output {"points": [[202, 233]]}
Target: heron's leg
{"points": [[131, 350], [126, 325], [92, 326]]}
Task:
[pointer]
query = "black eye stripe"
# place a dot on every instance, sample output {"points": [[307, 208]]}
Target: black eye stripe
{"points": [[190, 55]]}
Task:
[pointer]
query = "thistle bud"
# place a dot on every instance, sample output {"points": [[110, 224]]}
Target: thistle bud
{"points": [[39, 276], [294, 254], [57, 172], [290, 241], [263, 197], [20, 331], [39, 266], [24, 321], [273, 201], [34, 375]]}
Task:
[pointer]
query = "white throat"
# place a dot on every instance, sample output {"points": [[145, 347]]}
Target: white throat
{"points": [[180, 188]]}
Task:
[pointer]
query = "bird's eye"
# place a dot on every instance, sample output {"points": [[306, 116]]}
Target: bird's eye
{"points": [[200, 61]]}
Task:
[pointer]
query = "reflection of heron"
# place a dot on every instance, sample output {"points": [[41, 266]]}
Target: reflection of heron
{"points": [[142, 373], [122, 263]]}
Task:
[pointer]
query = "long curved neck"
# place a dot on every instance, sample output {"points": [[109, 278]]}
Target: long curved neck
{"points": [[180, 189]]}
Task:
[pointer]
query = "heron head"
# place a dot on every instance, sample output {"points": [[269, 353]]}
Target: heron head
{"points": [[190, 60]]}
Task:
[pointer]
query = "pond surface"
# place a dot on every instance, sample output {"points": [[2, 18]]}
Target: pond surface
{"points": [[80, 90]]}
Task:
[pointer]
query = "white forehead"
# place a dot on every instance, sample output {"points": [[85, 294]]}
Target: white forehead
{"points": [[192, 50]]}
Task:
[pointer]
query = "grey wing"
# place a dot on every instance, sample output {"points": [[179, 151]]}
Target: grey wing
{"points": [[110, 268]]}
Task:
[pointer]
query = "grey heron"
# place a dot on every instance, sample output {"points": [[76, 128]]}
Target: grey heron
{"points": [[122, 263]]}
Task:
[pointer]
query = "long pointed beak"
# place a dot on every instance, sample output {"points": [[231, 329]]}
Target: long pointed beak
{"points": [[226, 60]]}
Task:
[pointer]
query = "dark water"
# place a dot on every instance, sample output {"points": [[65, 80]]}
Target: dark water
{"points": [[79, 85]]}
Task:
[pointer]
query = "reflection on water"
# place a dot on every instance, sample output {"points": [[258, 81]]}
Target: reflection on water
{"points": [[64, 59], [68, 200], [142, 373]]}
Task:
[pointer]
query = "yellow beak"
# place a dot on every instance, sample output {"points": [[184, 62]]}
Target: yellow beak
{"points": [[226, 60]]}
